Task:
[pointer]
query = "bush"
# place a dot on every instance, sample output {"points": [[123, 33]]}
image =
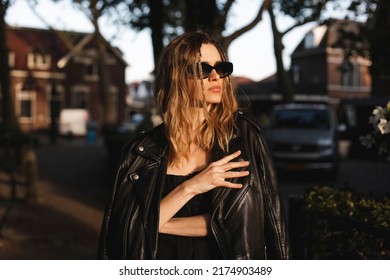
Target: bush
{"points": [[343, 224]]}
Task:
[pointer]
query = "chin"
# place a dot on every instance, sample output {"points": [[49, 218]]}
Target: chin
{"points": [[214, 99]]}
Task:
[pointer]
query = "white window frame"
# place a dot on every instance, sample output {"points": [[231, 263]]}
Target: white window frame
{"points": [[11, 59], [21, 95], [36, 60], [352, 78]]}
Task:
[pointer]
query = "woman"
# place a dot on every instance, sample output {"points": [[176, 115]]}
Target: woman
{"points": [[201, 185]]}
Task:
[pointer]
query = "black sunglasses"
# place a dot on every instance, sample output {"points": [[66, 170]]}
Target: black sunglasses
{"points": [[223, 69]]}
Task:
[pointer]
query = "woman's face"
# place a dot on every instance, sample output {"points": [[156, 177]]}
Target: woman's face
{"points": [[212, 85]]}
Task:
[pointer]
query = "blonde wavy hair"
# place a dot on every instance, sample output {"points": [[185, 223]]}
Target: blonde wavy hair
{"points": [[176, 95]]}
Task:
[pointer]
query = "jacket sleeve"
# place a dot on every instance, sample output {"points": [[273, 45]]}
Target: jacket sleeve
{"points": [[276, 233], [102, 250], [120, 203]]}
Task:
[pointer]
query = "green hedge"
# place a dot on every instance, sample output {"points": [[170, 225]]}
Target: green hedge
{"points": [[344, 224]]}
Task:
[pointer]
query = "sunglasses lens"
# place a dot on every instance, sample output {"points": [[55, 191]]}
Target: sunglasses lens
{"points": [[224, 69], [206, 70]]}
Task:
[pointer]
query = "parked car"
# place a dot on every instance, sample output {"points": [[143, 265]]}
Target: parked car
{"points": [[303, 137]]}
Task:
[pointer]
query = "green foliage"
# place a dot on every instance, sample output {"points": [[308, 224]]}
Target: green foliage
{"points": [[302, 9], [342, 224]]}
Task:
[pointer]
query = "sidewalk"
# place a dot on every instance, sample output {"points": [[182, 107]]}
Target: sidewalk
{"points": [[64, 222]]}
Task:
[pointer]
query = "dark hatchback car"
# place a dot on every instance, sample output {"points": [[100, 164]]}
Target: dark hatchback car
{"points": [[303, 137]]}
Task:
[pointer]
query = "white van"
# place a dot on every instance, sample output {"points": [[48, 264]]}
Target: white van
{"points": [[303, 136], [73, 122]]}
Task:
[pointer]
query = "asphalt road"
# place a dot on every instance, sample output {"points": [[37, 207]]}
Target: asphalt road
{"points": [[64, 223]]}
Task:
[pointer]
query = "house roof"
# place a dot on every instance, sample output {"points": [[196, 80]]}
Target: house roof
{"points": [[63, 45], [328, 35], [82, 44]]}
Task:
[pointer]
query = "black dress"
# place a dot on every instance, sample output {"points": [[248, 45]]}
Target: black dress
{"points": [[173, 247]]}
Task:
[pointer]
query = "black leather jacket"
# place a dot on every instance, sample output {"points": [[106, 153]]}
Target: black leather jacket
{"points": [[247, 223]]}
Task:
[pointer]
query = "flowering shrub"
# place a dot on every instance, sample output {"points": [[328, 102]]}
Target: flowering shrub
{"points": [[379, 138]]}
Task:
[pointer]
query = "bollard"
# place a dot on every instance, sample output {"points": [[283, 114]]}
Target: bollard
{"points": [[29, 167]]}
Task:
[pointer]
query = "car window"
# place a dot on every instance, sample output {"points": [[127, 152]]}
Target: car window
{"points": [[300, 119]]}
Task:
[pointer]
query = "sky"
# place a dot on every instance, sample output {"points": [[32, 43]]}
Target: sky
{"points": [[251, 54]]}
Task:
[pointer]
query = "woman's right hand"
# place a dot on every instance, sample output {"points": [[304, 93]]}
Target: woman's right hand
{"points": [[216, 173]]}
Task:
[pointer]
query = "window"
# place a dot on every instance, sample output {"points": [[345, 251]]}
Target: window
{"points": [[296, 73], [11, 59], [36, 60], [309, 40], [350, 77], [80, 97], [301, 119], [79, 100], [25, 105], [92, 69]]}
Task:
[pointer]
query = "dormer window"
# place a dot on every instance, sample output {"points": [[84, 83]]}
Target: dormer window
{"points": [[313, 38], [36, 60], [91, 69], [309, 40]]}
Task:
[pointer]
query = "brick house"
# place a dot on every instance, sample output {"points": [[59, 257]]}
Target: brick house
{"points": [[319, 67], [51, 70], [319, 72]]}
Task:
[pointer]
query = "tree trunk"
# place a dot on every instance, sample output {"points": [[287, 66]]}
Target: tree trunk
{"points": [[7, 106], [227, 40], [156, 25], [201, 15], [105, 115], [284, 81], [380, 50]]}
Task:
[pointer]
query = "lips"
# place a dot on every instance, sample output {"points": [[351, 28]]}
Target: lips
{"points": [[215, 89]]}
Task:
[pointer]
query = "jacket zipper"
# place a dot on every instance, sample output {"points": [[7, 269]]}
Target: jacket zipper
{"points": [[237, 200], [213, 228]]}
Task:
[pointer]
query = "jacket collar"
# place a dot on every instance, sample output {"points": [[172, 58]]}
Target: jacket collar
{"points": [[155, 145]]}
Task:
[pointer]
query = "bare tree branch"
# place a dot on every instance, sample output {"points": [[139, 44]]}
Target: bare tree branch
{"points": [[227, 6], [68, 43], [314, 17], [228, 39]]}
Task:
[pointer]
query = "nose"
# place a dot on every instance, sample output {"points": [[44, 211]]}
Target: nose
{"points": [[214, 75]]}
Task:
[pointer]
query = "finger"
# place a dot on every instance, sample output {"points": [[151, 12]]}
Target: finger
{"points": [[228, 158], [232, 185], [235, 174], [235, 164]]}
